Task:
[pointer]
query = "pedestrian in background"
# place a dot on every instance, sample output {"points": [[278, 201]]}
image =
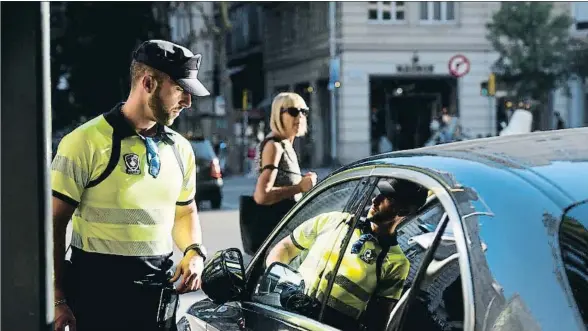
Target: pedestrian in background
{"points": [[251, 171], [279, 184], [560, 124], [128, 183]]}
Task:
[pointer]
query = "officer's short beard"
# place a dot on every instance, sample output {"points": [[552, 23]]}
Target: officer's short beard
{"points": [[162, 115], [381, 217]]}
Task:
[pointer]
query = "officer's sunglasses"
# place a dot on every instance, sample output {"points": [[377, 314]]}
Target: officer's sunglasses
{"points": [[293, 111], [153, 157]]}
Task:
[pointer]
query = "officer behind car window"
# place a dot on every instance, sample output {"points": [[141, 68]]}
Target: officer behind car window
{"points": [[127, 181], [370, 279]]}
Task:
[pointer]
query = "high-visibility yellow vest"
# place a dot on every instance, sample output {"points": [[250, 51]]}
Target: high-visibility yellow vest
{"points": [[357, 278], [101, 168]]}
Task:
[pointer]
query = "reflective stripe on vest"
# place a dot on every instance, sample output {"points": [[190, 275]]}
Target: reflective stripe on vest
{"points": [[347, 295], [123, 234]]}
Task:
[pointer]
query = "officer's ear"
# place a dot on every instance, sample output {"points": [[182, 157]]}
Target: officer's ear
{"points": [[149, 83]]}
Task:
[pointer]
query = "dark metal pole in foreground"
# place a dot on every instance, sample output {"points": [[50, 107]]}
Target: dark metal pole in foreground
{"points": [[27, 290]]}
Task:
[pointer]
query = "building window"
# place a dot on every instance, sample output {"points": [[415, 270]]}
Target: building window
{"points": [[437, 11], [288, 26], [581, 15], [208, 51], [386, 11]]}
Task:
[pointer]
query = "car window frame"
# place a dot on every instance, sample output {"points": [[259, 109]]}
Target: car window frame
{"points": [[369, 185], [447, 199], [580, 318], [344, 176], [252, 273]]}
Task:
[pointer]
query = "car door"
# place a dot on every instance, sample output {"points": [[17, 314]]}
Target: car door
{"points": [[415, 238], [342, 193], [433, 298]]}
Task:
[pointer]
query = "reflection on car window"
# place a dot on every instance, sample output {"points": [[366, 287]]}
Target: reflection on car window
{"points": [[327, 206], [573, 240], [391, 237], [438, 304], [377, 272]]}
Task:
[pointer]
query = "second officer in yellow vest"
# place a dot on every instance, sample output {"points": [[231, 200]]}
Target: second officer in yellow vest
{"points": [[370, 279], [127, 181]]}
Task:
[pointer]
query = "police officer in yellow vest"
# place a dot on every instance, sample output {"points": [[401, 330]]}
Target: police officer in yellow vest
{"points": [[370, 279], [127, 181]]}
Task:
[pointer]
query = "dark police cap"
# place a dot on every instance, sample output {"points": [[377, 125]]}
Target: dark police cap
{"points": [[176, 61], [403, 191]]}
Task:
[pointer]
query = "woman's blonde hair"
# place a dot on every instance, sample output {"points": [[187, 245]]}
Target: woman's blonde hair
{"points": [[282, 101]]}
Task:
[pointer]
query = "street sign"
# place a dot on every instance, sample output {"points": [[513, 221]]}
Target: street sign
{"points": [[459, 66]]}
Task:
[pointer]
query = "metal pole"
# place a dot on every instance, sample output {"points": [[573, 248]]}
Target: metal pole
{"points": [[45, 120], [492, 116], [244, 158], [27, 250], [333, 54]]}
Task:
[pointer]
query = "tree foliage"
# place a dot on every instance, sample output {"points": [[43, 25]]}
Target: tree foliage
{"points": [[91, 47], [533, 43]]}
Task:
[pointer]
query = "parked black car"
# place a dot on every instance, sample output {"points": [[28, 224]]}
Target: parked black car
{"points": [[501, 244], [209, 181]]}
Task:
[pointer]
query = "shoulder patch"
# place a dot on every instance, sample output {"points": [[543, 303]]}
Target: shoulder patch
{"points": [[132, 164]]}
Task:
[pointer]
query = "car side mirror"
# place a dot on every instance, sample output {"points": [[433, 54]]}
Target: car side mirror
{"points": [[278, 277], [223, 278]]}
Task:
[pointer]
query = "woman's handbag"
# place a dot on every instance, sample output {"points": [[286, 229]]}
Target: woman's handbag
{"points": [[258, 221]]}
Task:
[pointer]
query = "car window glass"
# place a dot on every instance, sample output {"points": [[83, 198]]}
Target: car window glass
{"points": [[438, 302], [381, 267], [203, 149], [573, 241], [316, 226]]}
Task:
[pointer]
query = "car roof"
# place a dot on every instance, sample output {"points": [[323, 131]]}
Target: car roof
{"points": [[556, 162]]}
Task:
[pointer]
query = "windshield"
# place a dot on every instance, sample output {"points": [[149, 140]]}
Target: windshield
{"points": [[203, 149]]}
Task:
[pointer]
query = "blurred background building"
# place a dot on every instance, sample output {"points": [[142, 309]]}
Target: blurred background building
{"points": [[188, 26], [394, 58], [391, 67]]}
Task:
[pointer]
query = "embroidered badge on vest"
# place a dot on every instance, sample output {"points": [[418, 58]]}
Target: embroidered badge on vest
{"points": [[369, 256], [132, 164]]}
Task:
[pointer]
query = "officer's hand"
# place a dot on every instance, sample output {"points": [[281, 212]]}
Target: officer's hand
{"points": [[64, 317], [190, 268]]}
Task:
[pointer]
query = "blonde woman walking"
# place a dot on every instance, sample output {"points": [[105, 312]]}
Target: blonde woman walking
{"points": [[279, 184]]}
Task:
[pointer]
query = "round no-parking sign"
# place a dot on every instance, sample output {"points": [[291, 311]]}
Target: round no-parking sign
{"points": [[459, 65]]}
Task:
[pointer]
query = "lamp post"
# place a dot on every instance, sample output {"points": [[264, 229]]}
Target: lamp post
{"points": [[334, 71]]}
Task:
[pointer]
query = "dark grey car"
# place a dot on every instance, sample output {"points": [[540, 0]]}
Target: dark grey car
{"points": [[502, 243], [209, 181]]}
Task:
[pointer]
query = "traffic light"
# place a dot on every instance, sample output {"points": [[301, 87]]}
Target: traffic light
{"points": [[245, 100], [492, 85], [484, 88]]}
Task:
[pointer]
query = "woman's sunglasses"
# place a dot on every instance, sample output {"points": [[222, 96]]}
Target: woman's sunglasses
{"points": [[293, 111]]}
